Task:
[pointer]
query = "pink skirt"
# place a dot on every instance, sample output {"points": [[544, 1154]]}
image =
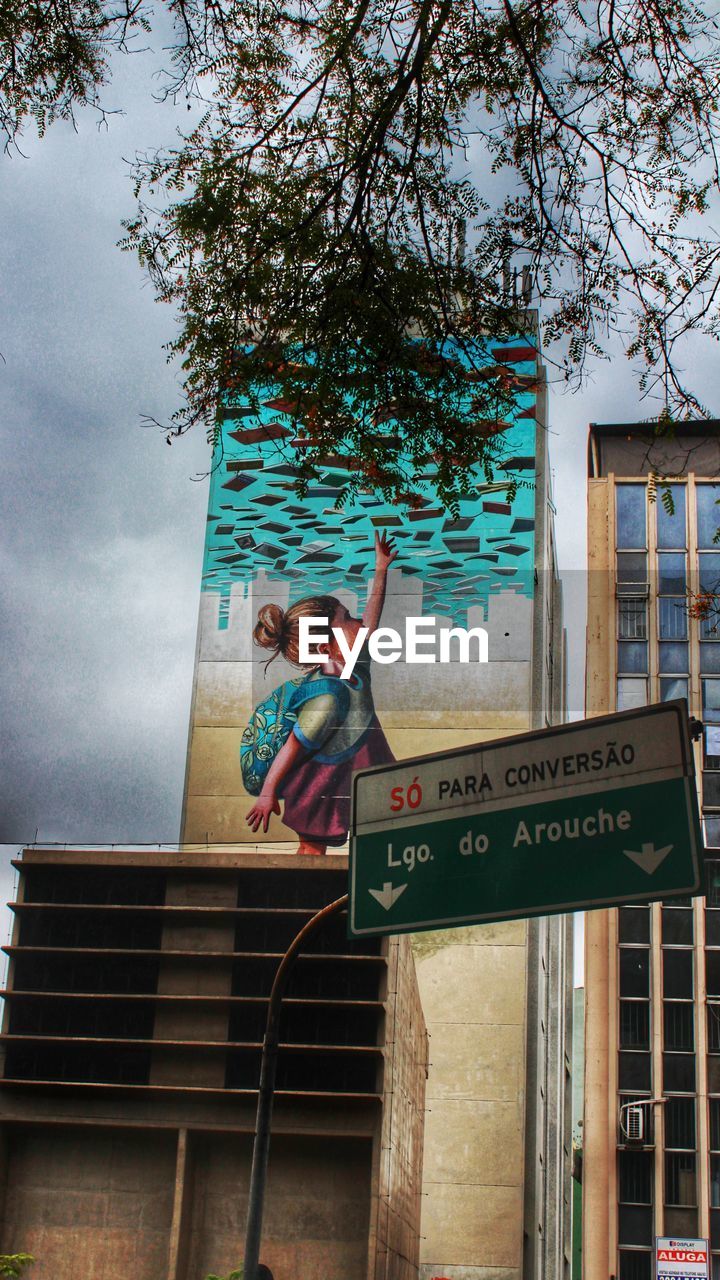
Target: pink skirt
{"points": [[317, 796]]}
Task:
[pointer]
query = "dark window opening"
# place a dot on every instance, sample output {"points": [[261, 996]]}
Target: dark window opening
{"points": [[679, 1072], [634, 1070], [680, 1178], [680, 1124], [677, 926], [634, 1024], [677, 975], [634, 972], [633, 924], [679, 1027], [635, 1264]]}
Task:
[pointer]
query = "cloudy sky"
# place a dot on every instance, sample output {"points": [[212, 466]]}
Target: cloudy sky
{"points": [[102, 522]]}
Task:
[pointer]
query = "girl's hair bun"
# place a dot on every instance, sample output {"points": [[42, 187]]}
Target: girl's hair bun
{"points": [[279, 629], [270, 627]]}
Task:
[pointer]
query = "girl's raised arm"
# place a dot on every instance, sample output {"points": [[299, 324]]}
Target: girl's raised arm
{"points": [[385, 553]]}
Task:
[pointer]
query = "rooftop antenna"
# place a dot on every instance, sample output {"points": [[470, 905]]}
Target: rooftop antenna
{"points": [[461, 242], [666, 372], [526, 285]]}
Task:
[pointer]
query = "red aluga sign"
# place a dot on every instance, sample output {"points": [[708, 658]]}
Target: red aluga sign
{"points": [[681, 1255]]}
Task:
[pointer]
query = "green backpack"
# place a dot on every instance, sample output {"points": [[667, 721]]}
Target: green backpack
{"points": [[271, 723]]}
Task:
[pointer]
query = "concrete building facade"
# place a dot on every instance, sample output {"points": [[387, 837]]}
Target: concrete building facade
{"points": [[653, 972], [135, 1008], [496, 998]]}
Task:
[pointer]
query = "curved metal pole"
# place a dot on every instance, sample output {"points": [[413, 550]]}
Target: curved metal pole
{"points": [[261, 1144]]}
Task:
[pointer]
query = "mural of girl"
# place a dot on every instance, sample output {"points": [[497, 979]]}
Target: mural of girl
{"points": [[311, 773]]}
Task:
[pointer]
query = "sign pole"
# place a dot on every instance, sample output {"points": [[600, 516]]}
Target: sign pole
{"points": [[266, 1090]]}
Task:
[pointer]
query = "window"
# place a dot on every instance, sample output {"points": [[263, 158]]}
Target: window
{"points": [[635, 1264], [632, 656], [672, 618], [712, 972], [632, 620], [711, 789], [634, 1024], [675, 687], [708, 513], [631, 693], [711, 731], [634, 972], [671, 524], [635, 1177], [713, 1027], [679, 1072], [672, 658], [632, 567], [711, 701], [709, 659], [634, 924], [634, 1224], [712, 866], [671, 573], [715, 1182], [680, 1180], [680, 1124], [715, 1124], [630, 518], [634, 1058], [678, 1026], [677, 926], [635, 1070], [709, 564], [677, 974]]}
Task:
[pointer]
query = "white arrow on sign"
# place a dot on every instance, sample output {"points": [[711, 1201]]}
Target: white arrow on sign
{"points": [[649, 858], [387, 895]]}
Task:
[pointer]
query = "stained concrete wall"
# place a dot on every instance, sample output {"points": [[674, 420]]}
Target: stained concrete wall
{"points": [[91, 1204], [315, 1225], [150, 1182]]}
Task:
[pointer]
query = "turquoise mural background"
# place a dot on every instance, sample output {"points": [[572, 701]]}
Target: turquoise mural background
{"points": [[256, 521]]}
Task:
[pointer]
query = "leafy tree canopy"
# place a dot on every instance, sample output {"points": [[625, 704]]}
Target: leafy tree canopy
{"points": [[337, 225]]}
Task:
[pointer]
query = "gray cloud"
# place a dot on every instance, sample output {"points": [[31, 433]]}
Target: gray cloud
{"points": [[101, 552]]}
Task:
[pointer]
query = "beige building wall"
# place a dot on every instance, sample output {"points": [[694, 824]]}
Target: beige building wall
{"points": [[473, 990]]}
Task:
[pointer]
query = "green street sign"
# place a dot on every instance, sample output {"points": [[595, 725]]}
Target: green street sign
{"points": [[589, 814]]}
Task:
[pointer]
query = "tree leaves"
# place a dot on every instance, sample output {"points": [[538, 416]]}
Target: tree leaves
{"points": [[14, 1264], [338, 226]]}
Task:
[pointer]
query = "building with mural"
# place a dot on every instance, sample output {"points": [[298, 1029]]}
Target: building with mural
{"points": [[651, 1159], [422, 1123], [496, 998]]}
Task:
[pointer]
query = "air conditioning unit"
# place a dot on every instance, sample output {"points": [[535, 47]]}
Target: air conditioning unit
{"points": [[632, 1123], [638, 590]]}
